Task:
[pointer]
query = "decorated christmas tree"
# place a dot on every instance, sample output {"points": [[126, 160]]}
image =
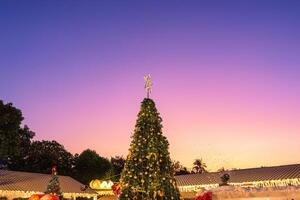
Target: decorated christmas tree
{"points": [[53, 187], [147, 172]]}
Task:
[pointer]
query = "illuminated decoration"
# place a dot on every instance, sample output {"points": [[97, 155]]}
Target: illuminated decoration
{"points": [[35, 196], [146, 173], [254, 184], [43, 197], [284, 178], [270, 183], [49, 197], [53, 186], [26, 185], [101, 185], [95, 184], [116, 189], [205, 196], [148, 84], [106, 185], [31, 195]]}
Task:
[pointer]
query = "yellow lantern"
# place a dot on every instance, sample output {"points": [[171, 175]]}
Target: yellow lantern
{"points": [[95, 184], [101, 185]]}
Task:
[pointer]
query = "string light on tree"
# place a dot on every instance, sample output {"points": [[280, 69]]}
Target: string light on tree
{"points": [[146, 173], [53, 187]]}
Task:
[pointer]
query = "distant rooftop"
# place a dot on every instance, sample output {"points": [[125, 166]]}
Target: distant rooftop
{"points": [[36, 182], [242, 175]]}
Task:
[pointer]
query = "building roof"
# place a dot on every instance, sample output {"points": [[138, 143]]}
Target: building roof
{"points": [[36, 182], [242, 175]]}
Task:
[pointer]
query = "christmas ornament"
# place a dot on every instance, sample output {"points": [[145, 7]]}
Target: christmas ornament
{"points": [[54, 170], [148, 160], [35, 197], [49, 197], [116, 189]]}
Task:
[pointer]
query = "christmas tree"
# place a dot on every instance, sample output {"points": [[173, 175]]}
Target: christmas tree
{"points": [[147, 172], [53, 186]]}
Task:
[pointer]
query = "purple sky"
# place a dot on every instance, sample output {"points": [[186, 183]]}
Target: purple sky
{"points": [[226, 75]]}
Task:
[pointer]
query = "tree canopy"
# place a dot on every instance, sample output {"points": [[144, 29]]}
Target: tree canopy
{"points": [[179, 169], [199, 166], [14, 139], [89, 165], [19, 152], [43, 155]]}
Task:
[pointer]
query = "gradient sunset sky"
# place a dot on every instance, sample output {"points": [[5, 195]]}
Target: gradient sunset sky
{"points": [[226, 75]]}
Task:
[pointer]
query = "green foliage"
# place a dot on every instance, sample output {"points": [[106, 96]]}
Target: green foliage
{"points": [[148, 168], [89, 165], [53, 186], [14, 139], [42, 155], [18, 162], [18, 152]]}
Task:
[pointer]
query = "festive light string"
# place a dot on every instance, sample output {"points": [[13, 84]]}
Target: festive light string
{"points": [[257, 184], [145, 173], [27, 194], [271, 183]]}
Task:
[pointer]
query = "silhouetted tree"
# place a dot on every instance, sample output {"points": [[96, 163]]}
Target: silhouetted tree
{"points": [[43, 155], [178, 169], [222, 169], [19, 161], [89, 165], [182, 171], [199, 166], [117, 164], [14, 139]]}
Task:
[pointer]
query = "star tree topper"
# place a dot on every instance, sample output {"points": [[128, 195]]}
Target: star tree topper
{"points": [[148, 84]]}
